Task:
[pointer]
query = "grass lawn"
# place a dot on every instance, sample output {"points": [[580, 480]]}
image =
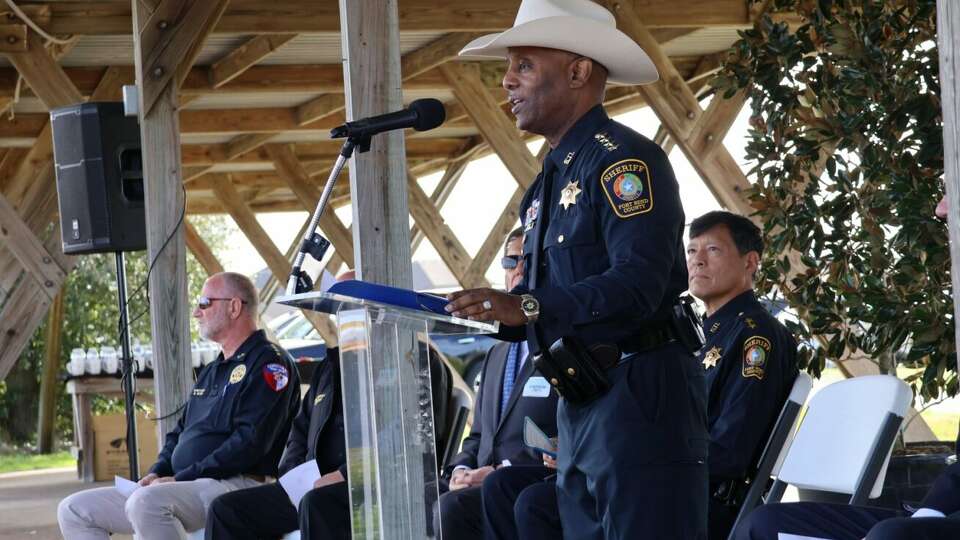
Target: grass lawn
{"points": [[29, 462]]}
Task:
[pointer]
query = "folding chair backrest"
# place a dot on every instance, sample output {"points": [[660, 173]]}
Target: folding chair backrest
{"points": [[776, 446], [844, 441], [460, 406]]}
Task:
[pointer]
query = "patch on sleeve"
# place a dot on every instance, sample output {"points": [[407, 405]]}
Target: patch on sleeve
{"points": [[627, 186], [755, 352], [276, 376]]}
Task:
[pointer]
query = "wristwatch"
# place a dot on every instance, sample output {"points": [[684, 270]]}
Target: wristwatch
{"points": [[530, 307]]}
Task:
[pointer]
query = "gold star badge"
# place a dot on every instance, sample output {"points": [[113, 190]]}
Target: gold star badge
{"points": [[750, 322], [569, 194], [711, 358]]}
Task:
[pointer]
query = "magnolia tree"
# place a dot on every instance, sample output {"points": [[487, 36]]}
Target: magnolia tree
{"points": [[847, 161]]}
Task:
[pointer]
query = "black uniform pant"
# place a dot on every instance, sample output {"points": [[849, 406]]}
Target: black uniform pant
{"points": [[519, 502], [459, 514], [266, 512], [842, 522], [632, 463]]}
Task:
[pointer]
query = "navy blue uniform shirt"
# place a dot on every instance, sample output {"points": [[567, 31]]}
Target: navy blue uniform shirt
{"points": [[603, 235], [751, 364], [238, 416]]}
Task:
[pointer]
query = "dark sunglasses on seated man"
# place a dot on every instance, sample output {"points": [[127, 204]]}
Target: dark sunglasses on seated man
{"points": [[509, 262], [204, 302]]}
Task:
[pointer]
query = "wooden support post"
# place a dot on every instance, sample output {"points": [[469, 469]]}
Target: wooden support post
{"points": [[279, 265], [167, 36], [371, 77], [499, 132], [49, 384], [948, 41]]}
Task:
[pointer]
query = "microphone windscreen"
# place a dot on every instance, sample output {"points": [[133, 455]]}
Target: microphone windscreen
{"points": [[430, 113]]}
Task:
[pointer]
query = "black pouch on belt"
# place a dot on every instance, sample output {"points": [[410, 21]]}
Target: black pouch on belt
{"points": [[574, 371]]}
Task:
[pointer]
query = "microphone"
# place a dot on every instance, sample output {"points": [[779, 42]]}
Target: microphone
{"points": [[421, 115]]}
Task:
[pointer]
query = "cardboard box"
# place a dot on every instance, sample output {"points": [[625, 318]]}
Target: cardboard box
{"points": [[110, 446]]}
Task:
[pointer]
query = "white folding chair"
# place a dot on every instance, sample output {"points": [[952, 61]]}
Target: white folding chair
{"points": [[776, 445], [843, 443]]}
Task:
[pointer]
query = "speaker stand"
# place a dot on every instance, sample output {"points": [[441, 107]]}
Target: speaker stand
{"points": [[127, 369]]}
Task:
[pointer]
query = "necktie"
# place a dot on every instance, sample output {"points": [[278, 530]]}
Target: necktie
{"points": [[509, 376]]}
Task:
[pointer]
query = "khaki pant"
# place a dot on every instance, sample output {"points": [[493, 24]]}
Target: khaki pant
{"points": [[162, 511]]}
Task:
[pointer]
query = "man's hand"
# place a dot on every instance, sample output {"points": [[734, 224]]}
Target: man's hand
{"points": [[327, 479], [458, 479], [148, 479], [475, 477], [549, 462], [163, 480], [486, 305]]}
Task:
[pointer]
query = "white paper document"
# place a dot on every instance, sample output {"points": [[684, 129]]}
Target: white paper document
{"points": [[787, 536], [124, 486], [299, 480]]}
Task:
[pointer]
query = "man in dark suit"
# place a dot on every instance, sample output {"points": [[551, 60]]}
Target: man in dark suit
{"points": [[509, 391]]}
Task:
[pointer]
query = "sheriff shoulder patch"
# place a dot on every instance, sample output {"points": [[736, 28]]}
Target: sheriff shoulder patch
{"points": [[755, 352], [627, 186], [276, 376]]}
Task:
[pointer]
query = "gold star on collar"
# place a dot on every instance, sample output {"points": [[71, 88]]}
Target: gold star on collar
{"points": [[714, 327], [569, 194], [711, 358], [750, 322]]}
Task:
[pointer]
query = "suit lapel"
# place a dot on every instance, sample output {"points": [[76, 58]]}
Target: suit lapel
{"points": [[525, 371]]}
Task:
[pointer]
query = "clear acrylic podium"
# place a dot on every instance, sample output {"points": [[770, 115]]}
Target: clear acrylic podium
{"points": [[388, 410]]}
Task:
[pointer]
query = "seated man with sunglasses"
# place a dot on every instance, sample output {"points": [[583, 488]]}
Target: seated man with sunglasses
{"points": [[510, 389], [230, 436]]}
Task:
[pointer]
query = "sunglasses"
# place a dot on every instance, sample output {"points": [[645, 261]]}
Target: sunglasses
{"points": [[509, 262], [204, 302]]}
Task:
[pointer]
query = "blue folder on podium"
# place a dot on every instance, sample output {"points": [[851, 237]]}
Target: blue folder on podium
{"points": [[359, 293]]}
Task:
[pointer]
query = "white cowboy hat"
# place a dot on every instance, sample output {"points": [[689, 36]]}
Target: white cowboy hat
{"points": [[578, 26]]}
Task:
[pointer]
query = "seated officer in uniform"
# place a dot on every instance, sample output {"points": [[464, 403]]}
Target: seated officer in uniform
{"points": [[230, 436], [509, 391], [266, 511], [937, 518], [750, 358]]}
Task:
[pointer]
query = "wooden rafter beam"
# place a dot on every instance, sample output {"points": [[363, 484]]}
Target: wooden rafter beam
{"points": [[279, 265], [498, 130], [171, 38], [452, 175], [501, 228], [200, 250], [308, 16], [27, 248], [290, 169], [689, 126], [448, 246], [245, 56]]}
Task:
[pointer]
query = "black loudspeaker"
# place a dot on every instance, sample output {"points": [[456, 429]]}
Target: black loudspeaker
{"points": [[96, 151]]}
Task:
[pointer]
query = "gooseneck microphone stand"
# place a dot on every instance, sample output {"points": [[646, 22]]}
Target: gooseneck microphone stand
{"points": [[313, 243], [126, 369]]}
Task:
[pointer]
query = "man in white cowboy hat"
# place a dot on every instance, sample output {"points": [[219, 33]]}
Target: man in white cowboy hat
{"points": [[599, 302]]}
